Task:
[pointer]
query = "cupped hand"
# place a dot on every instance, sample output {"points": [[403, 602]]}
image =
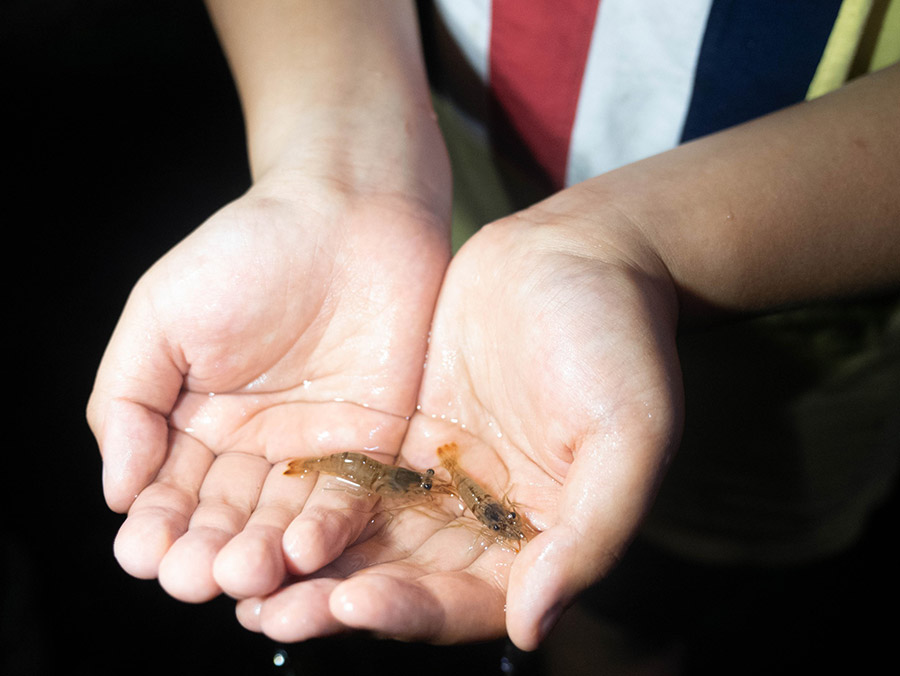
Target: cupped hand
{"points": [[293, 322], [552, 365]]}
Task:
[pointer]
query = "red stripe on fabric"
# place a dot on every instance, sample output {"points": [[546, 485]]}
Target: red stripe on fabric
{"points": [[538, 53]]}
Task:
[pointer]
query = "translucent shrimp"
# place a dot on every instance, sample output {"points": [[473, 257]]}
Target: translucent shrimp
{"points": [[501, 519], [365, 473]]}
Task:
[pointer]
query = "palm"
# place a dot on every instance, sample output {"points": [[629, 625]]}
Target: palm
{"points": [[259, 346], [555, 376]]}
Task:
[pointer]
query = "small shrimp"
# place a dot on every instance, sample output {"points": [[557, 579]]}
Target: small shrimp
{"points": [[369, 474], [499, 518]]}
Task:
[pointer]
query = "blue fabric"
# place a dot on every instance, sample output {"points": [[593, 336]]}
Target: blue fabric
{"points": [[757, 56]]}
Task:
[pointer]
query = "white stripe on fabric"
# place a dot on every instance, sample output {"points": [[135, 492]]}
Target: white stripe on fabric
{"points": [[469, 22], [637, 84]]}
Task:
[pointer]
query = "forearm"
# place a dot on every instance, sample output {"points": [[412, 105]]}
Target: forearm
{"points": [[330, 86], [800, 205]]}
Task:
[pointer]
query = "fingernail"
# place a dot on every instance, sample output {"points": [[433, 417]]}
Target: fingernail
{"points": [[548, 621]]}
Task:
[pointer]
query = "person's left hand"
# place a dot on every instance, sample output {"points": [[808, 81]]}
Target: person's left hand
{"points": [[552, 365]]}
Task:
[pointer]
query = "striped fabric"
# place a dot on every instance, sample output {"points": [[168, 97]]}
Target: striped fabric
{"points": [[590, 85]]}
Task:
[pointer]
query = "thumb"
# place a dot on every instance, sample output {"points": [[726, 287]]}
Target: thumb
{"points": [[135, 389], [608, 489]]}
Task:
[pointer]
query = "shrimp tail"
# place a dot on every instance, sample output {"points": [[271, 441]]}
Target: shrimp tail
{"points": [[298, 466], [447, 454], [328, 464]]}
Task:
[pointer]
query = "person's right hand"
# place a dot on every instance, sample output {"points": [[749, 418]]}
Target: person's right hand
{"points": [[294, 322]]}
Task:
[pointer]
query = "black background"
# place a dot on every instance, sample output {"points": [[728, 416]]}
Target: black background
{"points": [[122, 134]]}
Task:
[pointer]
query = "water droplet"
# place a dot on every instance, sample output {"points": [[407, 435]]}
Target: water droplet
{"points": [[259, 381]]}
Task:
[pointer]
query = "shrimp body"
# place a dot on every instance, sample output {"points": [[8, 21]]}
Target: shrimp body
{"points": [[367, 473], [501, 519]]}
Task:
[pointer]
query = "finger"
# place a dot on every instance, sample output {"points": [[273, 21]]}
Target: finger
{"points": [[333, 517], [606, 493], [450, 589], [295, 613], [544, 582], [444, 607], [227, 497], [136, 386], [247, 612], [416, 538], [252, 563], [133, 441], [162, 511]]}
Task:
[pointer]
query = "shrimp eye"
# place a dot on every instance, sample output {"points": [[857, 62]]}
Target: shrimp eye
{"points": [[429, 472], [427, 485], [511, 516], [496, 526]]}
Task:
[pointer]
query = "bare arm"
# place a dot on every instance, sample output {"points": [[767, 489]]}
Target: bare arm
{"points": [[797, 206], [337, 84]]}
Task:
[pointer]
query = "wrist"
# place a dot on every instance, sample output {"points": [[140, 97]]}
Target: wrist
{"points": [[585, 223], [335, 89], [344, 209], [395, 149]]}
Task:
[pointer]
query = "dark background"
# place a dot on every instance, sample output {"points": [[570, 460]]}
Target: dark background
{"points": [[122, 134]]}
